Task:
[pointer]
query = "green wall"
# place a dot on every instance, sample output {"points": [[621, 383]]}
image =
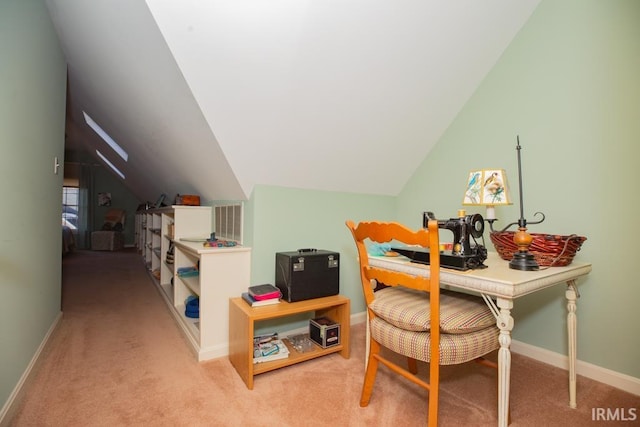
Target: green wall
{"points": [[569, 85], [121, 198], [285, 219], [32, 119]]}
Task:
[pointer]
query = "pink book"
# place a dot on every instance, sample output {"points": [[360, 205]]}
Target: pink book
{"points": [[263, 292]]}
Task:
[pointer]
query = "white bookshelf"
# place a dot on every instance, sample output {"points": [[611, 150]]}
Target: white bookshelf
{"points": [[223, 273]]}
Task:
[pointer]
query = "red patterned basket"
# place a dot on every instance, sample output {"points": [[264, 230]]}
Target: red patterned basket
{"points": [[547, 249]]}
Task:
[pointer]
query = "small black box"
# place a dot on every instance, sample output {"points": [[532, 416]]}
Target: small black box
{"points": [[324, 331], [307, 273]]}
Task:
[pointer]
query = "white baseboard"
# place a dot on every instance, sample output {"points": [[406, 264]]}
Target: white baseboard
{"points": [[359, 318], [614, 379], [8, 409], [212, 352]]}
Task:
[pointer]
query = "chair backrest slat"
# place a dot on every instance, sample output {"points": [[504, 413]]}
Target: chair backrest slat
{"points": [[384, 232], [393, 278]]}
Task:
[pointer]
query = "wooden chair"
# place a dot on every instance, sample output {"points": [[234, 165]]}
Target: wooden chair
{"points": [[400, 314]]}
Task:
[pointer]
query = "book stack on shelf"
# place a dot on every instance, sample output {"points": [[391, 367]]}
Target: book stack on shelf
{"points": [[269, 347], [261, 295]]}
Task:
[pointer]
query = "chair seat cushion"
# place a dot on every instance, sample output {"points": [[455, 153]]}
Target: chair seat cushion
{"points": [[454, 348], [409, 309]]}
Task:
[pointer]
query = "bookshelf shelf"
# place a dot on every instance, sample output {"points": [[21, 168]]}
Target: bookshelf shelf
{"points": [[242, 319], [223, 272]]}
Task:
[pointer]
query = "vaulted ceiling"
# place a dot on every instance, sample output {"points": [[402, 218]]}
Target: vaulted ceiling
{"points": [[214, 97]]}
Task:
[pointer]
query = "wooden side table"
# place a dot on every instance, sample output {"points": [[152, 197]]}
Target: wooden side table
{"points": [[242, 319]]}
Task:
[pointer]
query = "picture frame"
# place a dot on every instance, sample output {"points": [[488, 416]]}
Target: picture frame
{"points": [[104, 199]]}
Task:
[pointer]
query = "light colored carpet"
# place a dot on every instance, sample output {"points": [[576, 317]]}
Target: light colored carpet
{"points": [[118, 359]]}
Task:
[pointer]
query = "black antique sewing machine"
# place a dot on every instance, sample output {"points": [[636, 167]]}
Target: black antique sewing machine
{"points": [[462, 256]]}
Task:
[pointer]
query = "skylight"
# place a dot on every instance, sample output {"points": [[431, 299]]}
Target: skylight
{"points": [[114, 145], [111, 165]]}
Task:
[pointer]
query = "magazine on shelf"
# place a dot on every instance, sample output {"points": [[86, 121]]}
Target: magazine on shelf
{"points": [[265, 291], [258, 303], [269, 347]]}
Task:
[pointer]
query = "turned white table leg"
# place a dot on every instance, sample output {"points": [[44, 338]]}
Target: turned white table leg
{"points": [[505, 324], [572, 294]]}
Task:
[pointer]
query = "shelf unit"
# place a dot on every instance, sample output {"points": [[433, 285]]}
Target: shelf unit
{"points": [[223, 272], [175, 223], [185, 221], [242, 320], [146, 252], [140, 226]]}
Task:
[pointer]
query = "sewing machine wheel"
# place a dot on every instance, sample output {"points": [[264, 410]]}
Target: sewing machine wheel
{"points": [[477, 225]]}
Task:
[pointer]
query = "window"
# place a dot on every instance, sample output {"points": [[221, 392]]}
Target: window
{"points": [[105, 136], [70, 207], [111, 165]]}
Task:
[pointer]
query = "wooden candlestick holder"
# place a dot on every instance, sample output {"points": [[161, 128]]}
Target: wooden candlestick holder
{"points": [[523, 259]]}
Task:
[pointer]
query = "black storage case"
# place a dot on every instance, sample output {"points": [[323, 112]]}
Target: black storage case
{"points": [[307, 273], [325, 332]]}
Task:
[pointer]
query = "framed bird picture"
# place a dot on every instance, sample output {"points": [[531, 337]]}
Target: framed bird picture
{"points": [[487, 187]]}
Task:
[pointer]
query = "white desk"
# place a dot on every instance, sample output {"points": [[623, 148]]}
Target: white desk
{"points": [[505, 285]]}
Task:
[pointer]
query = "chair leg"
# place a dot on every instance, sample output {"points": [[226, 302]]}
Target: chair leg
{"points": [[370, 373], [434, 393], [486, 362], [412, 365]]}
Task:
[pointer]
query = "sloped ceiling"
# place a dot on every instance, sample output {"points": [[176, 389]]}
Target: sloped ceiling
{"points": [[214, 97]]}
